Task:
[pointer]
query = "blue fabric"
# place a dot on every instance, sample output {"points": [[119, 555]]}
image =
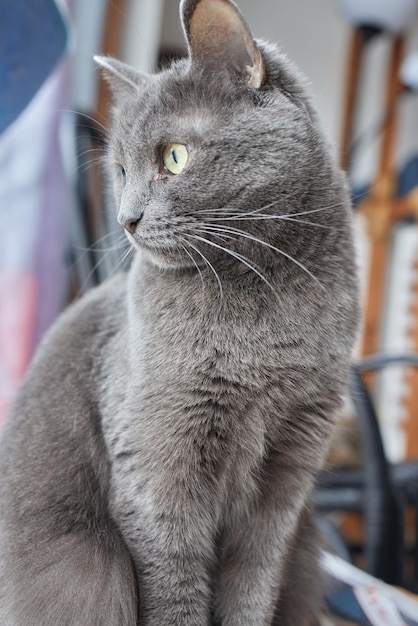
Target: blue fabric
{"points": [[406, 182], [408, 177], [33, 37], [344, 604]]}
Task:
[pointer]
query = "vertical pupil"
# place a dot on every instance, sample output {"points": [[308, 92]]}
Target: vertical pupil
{"points": [[122, 170], [173, 154]]}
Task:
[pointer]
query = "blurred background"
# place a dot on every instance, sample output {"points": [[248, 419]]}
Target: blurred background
{"points": [[59, 236]]}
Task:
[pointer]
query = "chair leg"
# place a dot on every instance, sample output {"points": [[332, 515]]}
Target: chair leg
{"points": [[385, 541], [415, 582]]}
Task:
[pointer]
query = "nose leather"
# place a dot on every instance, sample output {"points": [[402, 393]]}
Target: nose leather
{"points": [[130, 223]]}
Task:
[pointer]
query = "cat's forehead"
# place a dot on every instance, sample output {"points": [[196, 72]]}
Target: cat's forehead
{"points": [[172, 105]]}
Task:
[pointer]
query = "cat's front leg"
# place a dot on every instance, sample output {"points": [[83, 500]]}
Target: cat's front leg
{"points": [[169, 529], [254, 552], [260, 543]]}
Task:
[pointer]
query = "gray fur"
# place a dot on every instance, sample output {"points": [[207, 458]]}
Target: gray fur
{"points": [[158, 462]]}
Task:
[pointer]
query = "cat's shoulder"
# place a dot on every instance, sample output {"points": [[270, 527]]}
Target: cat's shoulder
{"points": [[63, 371], [101, 306], [88, 320]]}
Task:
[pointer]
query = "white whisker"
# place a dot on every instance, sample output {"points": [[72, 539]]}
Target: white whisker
{"points": [[90, 150], [192, 259], [319, 209], [233, 213], [262, 216], [235, 210], [209, 264], [89, 117], [243, 233], [99, 263], [93, 162], [239, 257], [115, 232], [94, 248]]}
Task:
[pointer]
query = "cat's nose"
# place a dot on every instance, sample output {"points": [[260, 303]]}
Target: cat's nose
{"points": [[130, 223]]}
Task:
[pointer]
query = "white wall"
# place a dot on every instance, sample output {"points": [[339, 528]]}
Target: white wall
{"points": [[87, 38], [140, 44], [142, 35]]}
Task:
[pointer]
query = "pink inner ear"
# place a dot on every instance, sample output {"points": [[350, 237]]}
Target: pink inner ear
{"points": [[218, 34], [256, 72]]}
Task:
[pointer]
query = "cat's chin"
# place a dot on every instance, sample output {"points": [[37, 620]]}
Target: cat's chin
{"points": [[166, 259]]}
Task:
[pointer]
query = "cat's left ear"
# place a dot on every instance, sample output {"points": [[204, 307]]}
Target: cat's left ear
{"points": [[122, 78], [219, 39]]}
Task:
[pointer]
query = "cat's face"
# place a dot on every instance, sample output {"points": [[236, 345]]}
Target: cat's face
{"points": [[225, 133]]}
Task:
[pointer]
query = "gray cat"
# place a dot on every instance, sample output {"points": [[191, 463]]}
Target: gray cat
{"points": [[158, 462]]}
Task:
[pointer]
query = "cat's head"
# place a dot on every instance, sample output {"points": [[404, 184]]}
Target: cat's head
{"points": [[201, 154]]}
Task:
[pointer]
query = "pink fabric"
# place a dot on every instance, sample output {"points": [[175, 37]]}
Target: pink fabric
{"points": [[18, 296]]}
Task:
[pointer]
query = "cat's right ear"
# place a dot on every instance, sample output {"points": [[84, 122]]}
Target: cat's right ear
{"points": [[123, 79]]}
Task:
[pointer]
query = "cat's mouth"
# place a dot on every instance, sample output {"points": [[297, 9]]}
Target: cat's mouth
{"points": [[186, 246], [165, 252]]}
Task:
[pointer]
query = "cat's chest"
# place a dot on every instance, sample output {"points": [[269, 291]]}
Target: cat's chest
{"points": [[197, 347], [190, 369], [191, 398]]}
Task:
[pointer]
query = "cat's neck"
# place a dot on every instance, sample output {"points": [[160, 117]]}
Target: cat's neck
{"points": [[213, 295]]}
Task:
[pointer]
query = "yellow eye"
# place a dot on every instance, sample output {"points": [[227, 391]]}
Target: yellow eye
{"points": [[175, 157]]}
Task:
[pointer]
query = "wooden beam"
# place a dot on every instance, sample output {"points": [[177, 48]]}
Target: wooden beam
{"points": [[394, 89], [111, 46], [355, 56], [379, 207]]}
